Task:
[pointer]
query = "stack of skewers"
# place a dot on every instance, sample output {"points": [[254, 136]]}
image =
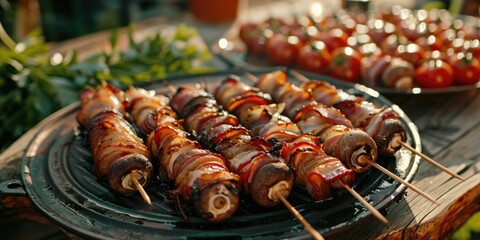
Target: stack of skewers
{"points": [[211, 143]]}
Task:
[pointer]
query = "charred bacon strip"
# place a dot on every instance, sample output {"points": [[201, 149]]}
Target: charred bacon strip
{"points": [[381, 123], [117, 151], [313, 169], [201, 177], [94, 101], [262, 174], [148, 110], [353, 147]]}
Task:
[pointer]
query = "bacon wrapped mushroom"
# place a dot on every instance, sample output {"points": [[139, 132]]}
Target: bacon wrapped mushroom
{"points": [[381, 123], [263, 175], [200, 176], [352, 146], [118, 154], [313, 169]]}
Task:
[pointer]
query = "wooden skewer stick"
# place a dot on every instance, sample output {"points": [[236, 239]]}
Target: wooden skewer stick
{"points": [[103, 82], [140, 189], [251, 77], [400, 180], [303, 78], [300, 218], [373, 210], [299, 76], [433, 162]]}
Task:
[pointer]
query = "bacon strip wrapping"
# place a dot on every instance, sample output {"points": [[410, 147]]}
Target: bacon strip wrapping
{"points": [[381, 123], [200, 176], [94, 101], [262, 174], [354, 147], [313, 169], [116, 149]]}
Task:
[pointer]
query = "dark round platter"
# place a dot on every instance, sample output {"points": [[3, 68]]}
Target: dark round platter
{"points": [[57, 174]]}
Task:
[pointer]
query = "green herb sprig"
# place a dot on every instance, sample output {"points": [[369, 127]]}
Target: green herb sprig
{"points": [[34, 84]]}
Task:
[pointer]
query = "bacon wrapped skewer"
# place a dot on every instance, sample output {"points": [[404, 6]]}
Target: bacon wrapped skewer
{"points": [[355, 148], [263, 175], [313, 169], [201, 177], [118, 154], [381, 123], [94, 101]]}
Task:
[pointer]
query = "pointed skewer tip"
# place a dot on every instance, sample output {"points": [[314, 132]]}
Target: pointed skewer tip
{"points": [[373, 210], [315, 234], [402, 181], [433, 162]]}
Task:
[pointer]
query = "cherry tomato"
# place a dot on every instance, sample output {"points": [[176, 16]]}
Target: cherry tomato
{"points": [[247, 29], [393, 15], [257, 40], [369, 49], [411, 53], [345, 64], [473, 46], [313, 57], [430, 43], [301, 32], [329, 21], [364, 45], [466, 68], [434, 73], [413, 29], [277, 25], [282, 50], [347, 25], [447, 37], [334, 38], [471, 32], [389, 45], [458, 44], [439, 19], [379, 29]]}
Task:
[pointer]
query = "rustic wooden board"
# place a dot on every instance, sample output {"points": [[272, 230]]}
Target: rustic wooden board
{"points": [[449, 125]]}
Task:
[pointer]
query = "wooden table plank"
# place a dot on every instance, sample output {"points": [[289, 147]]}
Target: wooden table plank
{"points": [[458, 200], [449, 125]]}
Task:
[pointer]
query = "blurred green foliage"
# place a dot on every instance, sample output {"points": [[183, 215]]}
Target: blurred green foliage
{"points": [[33, 85], [470, 230]]}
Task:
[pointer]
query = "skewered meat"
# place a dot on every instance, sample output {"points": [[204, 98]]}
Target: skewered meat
{"points": [[201, 177], [117, 151], [263, 175], [313, 169], [353, 147], [381, 123], [148, 110], [94, 101]]}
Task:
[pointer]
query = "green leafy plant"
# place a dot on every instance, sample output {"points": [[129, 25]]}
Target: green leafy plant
{"points": [[34, 84], [470, 228]]}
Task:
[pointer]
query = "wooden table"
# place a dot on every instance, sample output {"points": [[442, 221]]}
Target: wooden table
{"points": [[449, 126]]}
